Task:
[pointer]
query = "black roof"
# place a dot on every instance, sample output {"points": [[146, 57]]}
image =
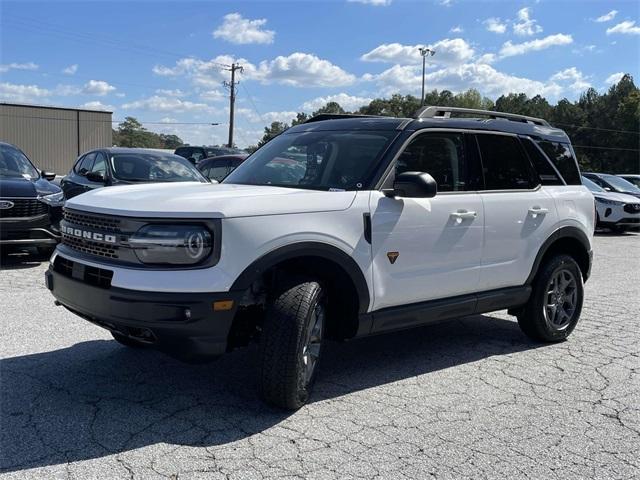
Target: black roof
{"points": [[413, 124]]}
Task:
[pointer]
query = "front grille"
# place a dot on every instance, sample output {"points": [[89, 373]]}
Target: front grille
{"points": [[632, 208], [98, 277], [23, 208], [98, 222], [91, 247]]}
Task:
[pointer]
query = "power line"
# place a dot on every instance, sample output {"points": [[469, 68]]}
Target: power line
{"points": [[107, 121], [599, 147], [597, 128], [253, 103]]}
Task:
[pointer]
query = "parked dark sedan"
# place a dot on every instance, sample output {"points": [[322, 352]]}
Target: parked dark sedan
{"points": [[196, 154], [30, 205], [613, 183], [123, 166], [216, 168]]}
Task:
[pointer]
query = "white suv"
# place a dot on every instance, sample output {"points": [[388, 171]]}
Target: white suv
{"points": [[341, 227]]}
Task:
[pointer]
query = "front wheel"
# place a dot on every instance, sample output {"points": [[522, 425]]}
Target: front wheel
{"points": [[127, 341], [291, 344], [554, 307]]}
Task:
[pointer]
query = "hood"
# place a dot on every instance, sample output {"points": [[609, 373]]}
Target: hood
{"points": [[617, 197], [206, 200], [24, 187]]}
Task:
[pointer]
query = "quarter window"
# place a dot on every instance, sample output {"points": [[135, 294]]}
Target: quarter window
{"points": [[441, 155], [562, 157], [546, 172], [504, 163]]}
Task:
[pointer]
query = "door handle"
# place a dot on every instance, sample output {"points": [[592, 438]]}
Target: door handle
{"points": [[535, 211], [463, 214]]}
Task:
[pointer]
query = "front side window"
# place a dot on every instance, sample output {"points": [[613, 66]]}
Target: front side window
{"points": [[343, 160], [504, 163], [153, 168], [562, 157], [441, 155], [85, 165], [14, 163], [100, 164]]}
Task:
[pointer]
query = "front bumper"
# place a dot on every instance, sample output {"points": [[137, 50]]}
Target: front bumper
{"points": [[182, 325], [40, 230]]}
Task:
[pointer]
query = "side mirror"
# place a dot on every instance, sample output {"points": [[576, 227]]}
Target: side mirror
{"points": [[48, 175], [95, 177], [607, 189], [413, 185]]}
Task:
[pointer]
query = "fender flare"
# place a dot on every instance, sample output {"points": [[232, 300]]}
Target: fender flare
{"points": [[563, 232], [307, 249]]}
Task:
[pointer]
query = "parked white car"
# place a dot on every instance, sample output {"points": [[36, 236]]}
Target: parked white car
{"points": [[616, 211]]}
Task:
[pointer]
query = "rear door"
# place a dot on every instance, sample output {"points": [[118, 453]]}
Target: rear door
{"points": [[428, 248], [519, 214]]}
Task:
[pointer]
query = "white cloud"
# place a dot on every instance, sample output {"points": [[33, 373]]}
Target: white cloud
{"points": [[614, 78], [171, 93], [448, 52], [298, 70], [22, 93], [71, 69], [607, 16], [627, 27], [157, 103], [526, 26], [346, 101], [97, 87], [445, 3], [239, 30], [303, 70], [575, 79], [511, 49], [5, 67], [495, 25], [97, 105], [375, 3], [213, 95], [456, 29]]}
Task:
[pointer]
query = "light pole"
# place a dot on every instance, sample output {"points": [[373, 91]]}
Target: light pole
{"points": [[424, 51]]}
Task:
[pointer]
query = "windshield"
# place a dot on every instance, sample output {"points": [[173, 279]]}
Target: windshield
{"points": [[620, 184], [148, 167], [14, 163], [592, 186], [341, 160], [634, 180]]}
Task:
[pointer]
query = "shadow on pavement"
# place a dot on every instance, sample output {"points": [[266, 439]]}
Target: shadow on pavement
{"points": [[98, 398], [17, 259]]}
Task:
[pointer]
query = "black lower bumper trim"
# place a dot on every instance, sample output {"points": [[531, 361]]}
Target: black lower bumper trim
{"points": [[183, 325]]}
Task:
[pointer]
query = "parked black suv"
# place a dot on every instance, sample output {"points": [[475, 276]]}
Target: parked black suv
{"points": [[124, 166], [30, 205]]}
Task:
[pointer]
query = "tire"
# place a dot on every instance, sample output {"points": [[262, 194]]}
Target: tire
{"points": [[45, 251], [618, 229], [291, 344], [559, 280], [126, 341]]}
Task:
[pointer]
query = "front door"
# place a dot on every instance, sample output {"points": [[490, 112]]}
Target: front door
{"points": [[429, 248]]}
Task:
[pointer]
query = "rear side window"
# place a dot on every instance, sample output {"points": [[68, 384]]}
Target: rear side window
{"points": [[504, 163], [546, 172], [562, 157]]}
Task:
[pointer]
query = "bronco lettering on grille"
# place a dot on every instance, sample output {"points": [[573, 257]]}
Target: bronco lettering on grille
{"points": [[87, 235]]}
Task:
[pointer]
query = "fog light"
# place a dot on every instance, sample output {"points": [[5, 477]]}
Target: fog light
{"points": [[222, 305]]}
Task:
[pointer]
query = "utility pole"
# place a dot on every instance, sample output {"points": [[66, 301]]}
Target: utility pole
{"points": [[424, 51], [232, 97]]}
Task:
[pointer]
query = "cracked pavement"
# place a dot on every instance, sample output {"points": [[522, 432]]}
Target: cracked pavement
{"points": [[472, 398]]}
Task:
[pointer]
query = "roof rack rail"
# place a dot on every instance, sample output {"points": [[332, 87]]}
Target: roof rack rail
{"points": [[336, 116], [445, 112]]}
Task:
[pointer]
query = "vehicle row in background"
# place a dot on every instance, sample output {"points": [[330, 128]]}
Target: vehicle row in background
{"points": [[126, 166], [613, 183], [30, 205], [616, 211], [196, 154], [217, 168]]}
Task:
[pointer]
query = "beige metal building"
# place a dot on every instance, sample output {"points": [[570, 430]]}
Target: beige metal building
{"points": [[53, 137]]}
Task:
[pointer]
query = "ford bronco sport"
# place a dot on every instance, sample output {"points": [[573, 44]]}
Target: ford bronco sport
{"points": [[341, 227]]}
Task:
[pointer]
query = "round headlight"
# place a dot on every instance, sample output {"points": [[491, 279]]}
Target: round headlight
{"points": [[172, 244]]}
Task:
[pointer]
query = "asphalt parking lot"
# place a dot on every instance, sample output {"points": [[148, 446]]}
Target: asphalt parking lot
{"points": [[468, 399]]}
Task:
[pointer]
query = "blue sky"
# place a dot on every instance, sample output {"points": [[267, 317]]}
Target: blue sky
{"points": [[163, 62]]}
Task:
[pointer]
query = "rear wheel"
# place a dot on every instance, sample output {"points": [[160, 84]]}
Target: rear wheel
{"points": [[553, 310], [291, 344]]}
